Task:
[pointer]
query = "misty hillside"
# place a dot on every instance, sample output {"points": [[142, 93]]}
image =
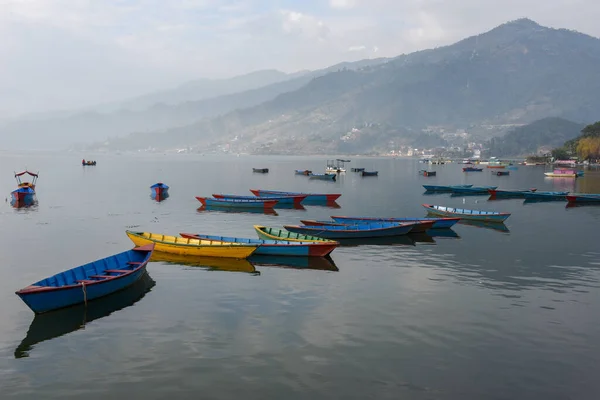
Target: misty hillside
{"points": [[516, 73]]}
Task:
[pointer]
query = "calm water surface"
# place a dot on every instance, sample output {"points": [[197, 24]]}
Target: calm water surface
{"points": [[491, 314]]}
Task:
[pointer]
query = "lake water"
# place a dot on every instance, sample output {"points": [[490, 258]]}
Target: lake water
{"points": [[488, 314]]}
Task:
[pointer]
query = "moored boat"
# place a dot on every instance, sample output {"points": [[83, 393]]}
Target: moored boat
{"points": [[562, 173], [427, 173], [237, 203], [472, 190], [369, 173], [467, 214], [317, 197], [323, 177], [22, 195], [159, 191], [550, 196], [382, 229], [292, 199], [192, 247], [267, 233], [421, 225], [501, 173], [440, 188], [510, 193], [357, 169], [438, 223], [583, 198], [87, 282], [275, 247], [472, 169], [303, 172], [261, 170], [22, 184]]}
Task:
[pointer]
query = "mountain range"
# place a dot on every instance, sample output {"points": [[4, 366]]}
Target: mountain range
{"points": [[514, 74]]}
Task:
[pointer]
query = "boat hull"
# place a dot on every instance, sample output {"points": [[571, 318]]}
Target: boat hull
{"points": [[329, 232], [438, 188], [323, 177], [464, 214], [553, 175], [438, 223], [236, 203], [276, 248], [580, 198], [557, 196], [310, 197], [267, 233], [280, 200], [191, 247], [473, 190], [509, 193]]}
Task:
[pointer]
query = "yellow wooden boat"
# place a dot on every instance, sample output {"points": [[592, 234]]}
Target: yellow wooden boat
{"points": [[192, 247], [266, 233]]}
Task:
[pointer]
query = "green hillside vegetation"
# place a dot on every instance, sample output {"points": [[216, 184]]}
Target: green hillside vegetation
{"points": [[528, 139], [586, 146]]}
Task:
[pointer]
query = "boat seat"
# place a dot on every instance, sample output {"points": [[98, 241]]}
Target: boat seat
{"points": [[85, 281], [117, 271], [100, 276], [133, 263]]}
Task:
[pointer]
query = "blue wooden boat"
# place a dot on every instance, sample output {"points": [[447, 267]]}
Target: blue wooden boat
{"points": [[237, 203], [501, 173], [303, 172], [438, 188], [87, 282], [476, 215], [357, 169], [495, 193], [353, 231], [23, 195], [438, 223], [546, 196], [296, 199], [583, 198], [369, 173], [274, 247], [310, 197], [472, 190], [159, 191], [420, 225], [261, 170], [472, 169], [323, 177]]}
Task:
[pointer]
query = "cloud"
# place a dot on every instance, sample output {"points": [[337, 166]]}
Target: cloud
{"points": [[342, 3], [357, 48]]}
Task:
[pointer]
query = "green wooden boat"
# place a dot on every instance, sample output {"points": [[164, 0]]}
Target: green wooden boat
{"points": [[266, 233]]}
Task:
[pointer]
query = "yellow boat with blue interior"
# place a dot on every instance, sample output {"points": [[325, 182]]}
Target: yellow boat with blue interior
{"points": [[192, 247]]}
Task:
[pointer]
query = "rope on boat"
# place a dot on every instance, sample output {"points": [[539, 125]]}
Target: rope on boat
{"points": [[84, 293]]}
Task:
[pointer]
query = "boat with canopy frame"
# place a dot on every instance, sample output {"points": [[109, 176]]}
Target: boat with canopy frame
{"points": [[25, 184]]}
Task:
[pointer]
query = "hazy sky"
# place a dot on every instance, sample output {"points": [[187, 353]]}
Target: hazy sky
{"points": [[72, 53]]}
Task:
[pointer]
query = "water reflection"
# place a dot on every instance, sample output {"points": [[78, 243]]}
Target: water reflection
{"points": [[403, 240], [316, 263], [443, 233], [421, 237], [317, 203], [288, 206], [213, 263], [496, 226], [26, 203], [61, 322], [265, 211]]}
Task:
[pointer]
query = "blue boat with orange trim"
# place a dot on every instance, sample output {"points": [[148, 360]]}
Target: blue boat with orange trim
{"points": [[159, 191], [494, 193], [438, 223], [236, 203], [87, 282], [353, 231], [310, 197], [583, 198], [274, 247], [295, 199]]}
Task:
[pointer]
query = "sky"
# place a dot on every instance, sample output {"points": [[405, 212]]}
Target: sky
{"points": [[70, 54]]}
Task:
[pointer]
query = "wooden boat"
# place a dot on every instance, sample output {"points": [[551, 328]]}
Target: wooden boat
{"points": [[427, 173], [580, 173], [369, 173], [501, 173], [159, 191], [23, 195], [323, 177], [357, 169], [303, 172], [472, 169], [261, 170], [275, 247], [562, 173], [87, 282], [295, 199], [192, 247], [267, 233], [420, 225], [21, 183], [473, 190], [88, 163], [510, 193], [315, 197], [438, 188], [211, 263], [438, 223], [354, 231], [467, 214], [237, 203], [550, 196], [335, 166], [583, 198]]}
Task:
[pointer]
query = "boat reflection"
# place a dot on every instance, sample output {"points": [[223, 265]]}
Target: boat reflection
{"points": [[292, 206], [316, 263], [421, 237], [575, 205], [212, 263], [265, 211], [434, 193], [402, 240], [496, 226], [57, 323], [443, 233], [317, 203]]}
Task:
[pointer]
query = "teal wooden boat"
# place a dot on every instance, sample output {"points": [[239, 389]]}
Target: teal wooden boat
{"points": [[441, 188], [546, 196]]}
